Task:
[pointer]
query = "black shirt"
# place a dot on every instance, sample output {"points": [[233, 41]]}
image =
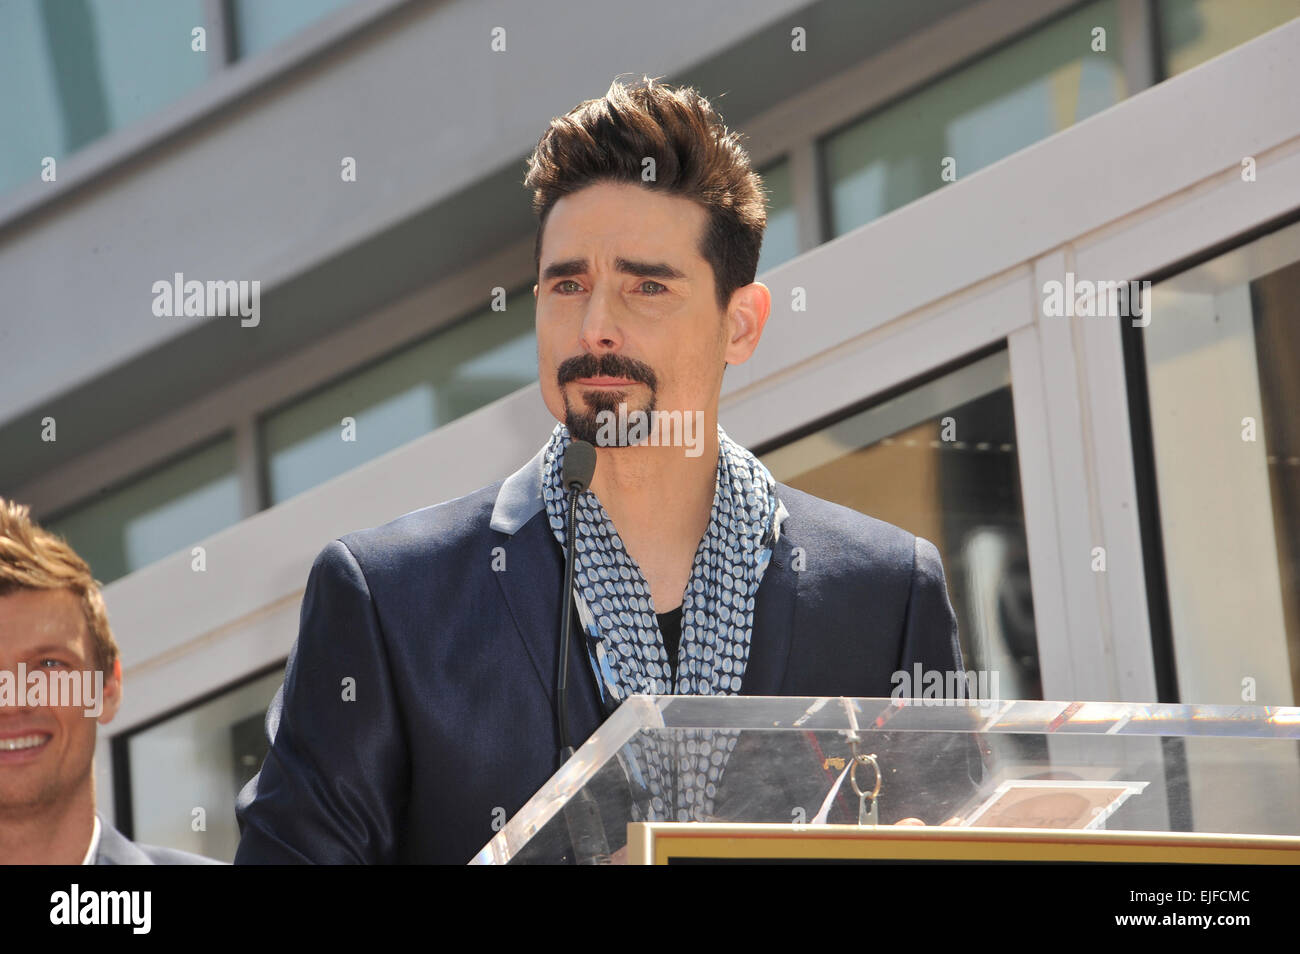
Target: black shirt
{"points": [[670, 625]]}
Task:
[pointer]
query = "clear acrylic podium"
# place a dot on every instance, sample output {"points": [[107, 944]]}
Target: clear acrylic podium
{"points": [[859, 765]]}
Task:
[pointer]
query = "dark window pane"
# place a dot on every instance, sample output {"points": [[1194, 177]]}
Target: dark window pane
{"points": [[781, 240], [153, 516], [1193, 31], [199, 760], [984, 112], [260, 25], [401, 397], [72, 71], [1222, 352], [940, 461]]}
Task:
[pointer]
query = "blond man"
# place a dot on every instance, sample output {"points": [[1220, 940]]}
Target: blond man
{"points": [[60, 677]]}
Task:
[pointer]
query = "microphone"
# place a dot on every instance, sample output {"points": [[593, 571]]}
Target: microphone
{"points": [[581, 813]]}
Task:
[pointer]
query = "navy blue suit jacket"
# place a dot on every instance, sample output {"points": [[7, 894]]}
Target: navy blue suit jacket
{"points": [[418, 700]]}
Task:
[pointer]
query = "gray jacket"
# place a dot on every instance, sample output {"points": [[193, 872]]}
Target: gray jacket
{"points": [[116, 849]]}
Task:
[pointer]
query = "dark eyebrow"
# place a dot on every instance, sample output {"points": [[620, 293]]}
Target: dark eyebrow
{"points": [[578, 266]]}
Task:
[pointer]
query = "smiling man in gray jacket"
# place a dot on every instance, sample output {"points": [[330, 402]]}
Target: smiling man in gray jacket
{"points": [[55, 638]]}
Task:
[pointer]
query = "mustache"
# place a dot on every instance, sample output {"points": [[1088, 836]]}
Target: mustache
{"points": [[605, 366]]}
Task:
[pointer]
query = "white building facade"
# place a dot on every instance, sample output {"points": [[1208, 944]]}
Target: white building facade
{"points": [[1116, 496]]}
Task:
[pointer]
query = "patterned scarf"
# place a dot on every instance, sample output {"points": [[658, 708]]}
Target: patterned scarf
{"points": [[682, 770], [624, 645]]}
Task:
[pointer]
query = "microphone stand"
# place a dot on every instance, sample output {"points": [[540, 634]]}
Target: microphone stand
{"points": [[566, 626], [581, 813]]}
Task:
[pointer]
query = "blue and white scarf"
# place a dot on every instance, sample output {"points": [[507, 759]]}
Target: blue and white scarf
{"points": [[624, 645]]}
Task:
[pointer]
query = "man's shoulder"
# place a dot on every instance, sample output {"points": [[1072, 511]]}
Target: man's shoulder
{"points": [[859, 573], [116, 849], [447, 527], [844, 532], [173, 856]]}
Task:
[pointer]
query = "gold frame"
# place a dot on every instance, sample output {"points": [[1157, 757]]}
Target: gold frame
{"points": [[661, 842]]}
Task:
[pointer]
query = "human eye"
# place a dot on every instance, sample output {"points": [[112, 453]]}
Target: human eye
{"points": [[661, 288], [49, 662], [560, 286]]}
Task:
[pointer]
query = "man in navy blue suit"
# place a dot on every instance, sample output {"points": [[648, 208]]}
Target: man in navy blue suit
{"points": [[419, 704]]}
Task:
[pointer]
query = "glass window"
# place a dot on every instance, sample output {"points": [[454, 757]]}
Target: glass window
{"points": [[72, 71], [154, 516], [187, 770], [781, 240], [401, 397], [939, 460], [1193, 31], [1221, 351], [259, 25], [975, 116]]}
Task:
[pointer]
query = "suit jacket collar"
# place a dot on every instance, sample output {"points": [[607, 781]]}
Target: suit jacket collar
{"points": [[534, 597], [520, 496], [116, 849], [531, 587]]}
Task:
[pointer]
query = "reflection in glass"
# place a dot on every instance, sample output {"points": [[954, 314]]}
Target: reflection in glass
{"points": [[200, 758], [72, 71], [999, 104], [940, 461], [259, 25], [1222, 354], [400, 398], [1193, 31], [781, 239], [154, 516]]}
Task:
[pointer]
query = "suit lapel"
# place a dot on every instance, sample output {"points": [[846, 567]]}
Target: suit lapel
{"points": [[531, 587], [773, 633]]}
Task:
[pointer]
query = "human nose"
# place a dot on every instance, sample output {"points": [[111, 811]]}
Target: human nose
{"points": [[600, 325]]}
